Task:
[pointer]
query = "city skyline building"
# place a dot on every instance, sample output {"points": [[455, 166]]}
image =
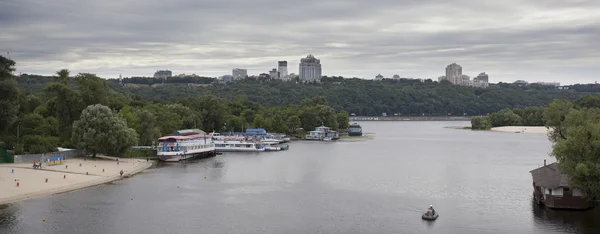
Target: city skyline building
{"points": [[310, 69], [163, 74], [239, 73], [453, 73], [282, 69]]}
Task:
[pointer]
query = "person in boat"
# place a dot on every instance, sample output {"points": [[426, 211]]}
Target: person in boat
{"points": [[431, 209]]}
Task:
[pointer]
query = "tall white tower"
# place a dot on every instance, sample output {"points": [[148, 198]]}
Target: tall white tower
{"points": [[310, 69]]}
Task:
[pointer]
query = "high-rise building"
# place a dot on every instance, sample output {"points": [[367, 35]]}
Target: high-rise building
{"points": [[238, 73], [482, 77], [454, 73], [274, 74], [310, 69], [282, 68], [163, 74]]}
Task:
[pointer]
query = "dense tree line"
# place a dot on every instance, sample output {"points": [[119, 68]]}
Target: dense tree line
{"points": [[365, 97], [84, 111], [169, 80], [528, 116], [361, 97]]}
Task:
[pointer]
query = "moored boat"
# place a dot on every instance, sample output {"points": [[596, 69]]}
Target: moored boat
{"points": [[185, 144], [276, 147], [234, 145], [322, 133], [355, 130]]}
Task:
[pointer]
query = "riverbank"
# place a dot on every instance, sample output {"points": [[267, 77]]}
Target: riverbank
{"points": [[66, 177], [522, 129]]}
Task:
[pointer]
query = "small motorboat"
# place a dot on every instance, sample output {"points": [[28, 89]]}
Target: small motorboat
{"points": [[430, 216]]}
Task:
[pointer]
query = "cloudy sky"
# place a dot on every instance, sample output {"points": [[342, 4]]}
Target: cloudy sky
{"points": [[534, 40]]}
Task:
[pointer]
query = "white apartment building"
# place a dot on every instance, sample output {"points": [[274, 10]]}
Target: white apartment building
{"points": [[455, 76], [310, 69], [454, 73], [274, 74]]}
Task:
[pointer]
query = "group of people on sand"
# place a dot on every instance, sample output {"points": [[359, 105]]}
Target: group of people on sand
{"points": [[37, 165]]}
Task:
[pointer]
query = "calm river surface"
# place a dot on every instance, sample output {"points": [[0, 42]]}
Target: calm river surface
{"points": [[479, 182]]}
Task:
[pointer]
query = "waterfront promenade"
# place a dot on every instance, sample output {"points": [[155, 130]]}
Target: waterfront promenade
{"points": [[64, 177]]}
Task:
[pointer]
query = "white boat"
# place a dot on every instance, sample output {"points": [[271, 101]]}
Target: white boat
{"points": [[322, 134], [276, 147], [271, 141], [227, 145], [185, 144]]}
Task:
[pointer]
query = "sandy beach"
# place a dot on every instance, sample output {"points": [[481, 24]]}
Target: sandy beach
{"points": [[522, 129], [65, 177]]}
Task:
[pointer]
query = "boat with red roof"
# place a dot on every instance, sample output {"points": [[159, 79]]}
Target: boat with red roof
{"points": [[185, 144]]}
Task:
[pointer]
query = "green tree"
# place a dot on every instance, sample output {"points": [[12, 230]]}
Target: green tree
{"points": [[67, 103], [93, 89], [481, 123], [293, 123], [555, 114], [505, 117], [188, 117], [212, 111], [9, 95], [147, 128], [260, 122], [99, 130], [248, 115], [577, 148], [588, 101], [343, 120]]}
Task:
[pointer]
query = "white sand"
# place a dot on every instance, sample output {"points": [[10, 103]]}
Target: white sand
{"points": [[522, 129], [32, 182]]}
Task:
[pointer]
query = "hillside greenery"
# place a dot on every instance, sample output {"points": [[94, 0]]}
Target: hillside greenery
{"points": [[357, 96]]}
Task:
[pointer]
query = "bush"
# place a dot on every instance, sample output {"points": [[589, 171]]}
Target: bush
{"points": [[481, 123]]}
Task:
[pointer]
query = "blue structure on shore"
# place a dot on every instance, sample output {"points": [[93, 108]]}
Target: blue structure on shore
{"points": [[355, 130]]}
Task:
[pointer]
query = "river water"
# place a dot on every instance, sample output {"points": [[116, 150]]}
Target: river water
{"points": [[478, 181]]}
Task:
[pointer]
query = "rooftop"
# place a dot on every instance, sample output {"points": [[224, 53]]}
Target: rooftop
{"points": [[549, 176]]}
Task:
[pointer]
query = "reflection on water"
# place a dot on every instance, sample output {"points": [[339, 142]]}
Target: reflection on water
{"points": [[478, 181], [565, 221]]}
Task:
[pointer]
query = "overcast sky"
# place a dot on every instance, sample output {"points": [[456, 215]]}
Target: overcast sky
{"points": [[533, 40]]}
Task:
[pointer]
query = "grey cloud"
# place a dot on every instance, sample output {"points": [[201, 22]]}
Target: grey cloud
{"points": [[508, 39]]}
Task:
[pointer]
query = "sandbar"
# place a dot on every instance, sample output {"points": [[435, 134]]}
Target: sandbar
{"points": [[523, 129]]}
